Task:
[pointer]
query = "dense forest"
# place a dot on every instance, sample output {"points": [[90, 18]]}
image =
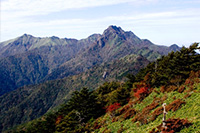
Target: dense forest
{"points": [[134, 105]]}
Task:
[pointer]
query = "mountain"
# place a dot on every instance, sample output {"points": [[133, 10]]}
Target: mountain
{"points": [[27, 42], [30, 102], [113, 44], [29, 60], [23, 66], [45, 71], [165, 99]]}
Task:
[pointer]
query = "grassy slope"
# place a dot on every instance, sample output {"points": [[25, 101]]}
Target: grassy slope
{"points": [[190, 111]]}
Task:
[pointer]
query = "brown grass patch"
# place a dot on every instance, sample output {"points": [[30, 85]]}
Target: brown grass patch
{"points": [[175, 105], [173, 125]]}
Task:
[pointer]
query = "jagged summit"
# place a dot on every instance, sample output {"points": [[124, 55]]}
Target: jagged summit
{"points": [[25, 36], [113, 29]]}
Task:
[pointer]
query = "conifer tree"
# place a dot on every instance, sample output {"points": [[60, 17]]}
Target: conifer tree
{"points": [[173, 68], [84, 103]]}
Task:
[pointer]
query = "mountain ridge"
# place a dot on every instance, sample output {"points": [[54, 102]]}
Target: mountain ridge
{"points": [[29, 60], [112, 44]]}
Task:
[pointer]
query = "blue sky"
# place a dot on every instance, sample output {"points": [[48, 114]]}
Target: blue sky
{"points": [[163, 22]]}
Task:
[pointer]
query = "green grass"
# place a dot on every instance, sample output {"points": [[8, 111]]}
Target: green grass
{"points": [[189, 111]]}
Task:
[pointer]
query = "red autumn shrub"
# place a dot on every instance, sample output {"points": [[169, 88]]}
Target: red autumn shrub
{"points": [[113, 107], [58, 119], [141, 92]]}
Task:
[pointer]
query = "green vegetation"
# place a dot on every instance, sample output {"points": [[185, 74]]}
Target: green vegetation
{"points": [[134, 106], [172, 69], [48, 70], [15, 107]]}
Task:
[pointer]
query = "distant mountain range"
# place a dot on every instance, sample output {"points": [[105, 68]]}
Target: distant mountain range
{"points": [[38, 74], [30, 60]]}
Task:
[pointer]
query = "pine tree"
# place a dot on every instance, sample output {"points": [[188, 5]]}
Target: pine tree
{"points": [[173, 68], [84, 103]]}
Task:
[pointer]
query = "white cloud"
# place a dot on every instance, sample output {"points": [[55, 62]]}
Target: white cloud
{"points": [[18, 11], [15, 13], [16, 18], [20, 8]]}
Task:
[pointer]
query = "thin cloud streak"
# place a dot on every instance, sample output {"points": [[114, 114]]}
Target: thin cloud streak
{"points": [[22, 16], [22, 8], [148, 19], [161, 16]]}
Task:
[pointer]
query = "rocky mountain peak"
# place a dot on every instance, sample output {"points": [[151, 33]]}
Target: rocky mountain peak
{"points": [[26, 36], [113, 30]]}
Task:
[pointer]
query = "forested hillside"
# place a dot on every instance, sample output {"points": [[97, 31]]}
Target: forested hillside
{"points": [[30, 102], [135, 105]]}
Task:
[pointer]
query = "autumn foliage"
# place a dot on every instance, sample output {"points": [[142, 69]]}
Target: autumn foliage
{"points": [[58, 119], [113, 107], [142, 92]]}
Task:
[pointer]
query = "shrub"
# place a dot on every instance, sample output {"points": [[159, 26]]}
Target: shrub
{"points": [[124, 109], [193, 78], [141, 93], [175, 105], [113, 107], [171, 88], [58, 119], [181, 89], [187, 95], [107, 130], [173, 125], [162, 89], [130, 113], [143, 117], [96, 125], [121, 129]]}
